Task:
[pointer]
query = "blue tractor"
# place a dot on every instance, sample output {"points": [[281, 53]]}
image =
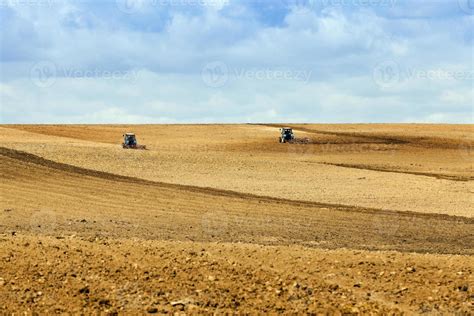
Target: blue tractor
{"points": [[287, 135], [130, 142]]}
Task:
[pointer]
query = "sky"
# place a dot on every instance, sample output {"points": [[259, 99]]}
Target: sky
{"points": [[236, 61]]}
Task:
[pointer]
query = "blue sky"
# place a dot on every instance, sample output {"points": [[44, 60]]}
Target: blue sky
{"points": [[207, 61]]}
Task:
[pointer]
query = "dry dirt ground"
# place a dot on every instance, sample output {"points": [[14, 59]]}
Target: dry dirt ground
{"points": [[224, 219]]}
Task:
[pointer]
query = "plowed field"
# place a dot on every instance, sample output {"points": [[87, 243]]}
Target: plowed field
{"points": [[223, 218]]}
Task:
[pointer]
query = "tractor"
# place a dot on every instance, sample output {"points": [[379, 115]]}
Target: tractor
{"points": [[130, 142], [287, 135]]}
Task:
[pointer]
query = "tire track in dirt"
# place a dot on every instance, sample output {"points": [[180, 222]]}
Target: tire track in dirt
{"points": [[423, 142], [34, 159], [381, 169], [370, 139]]}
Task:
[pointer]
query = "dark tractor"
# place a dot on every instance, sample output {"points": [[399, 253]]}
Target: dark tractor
{"points": [[130, 142], [287, 135]]}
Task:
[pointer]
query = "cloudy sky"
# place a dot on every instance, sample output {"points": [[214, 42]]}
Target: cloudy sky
{"points": [[185, 61]]}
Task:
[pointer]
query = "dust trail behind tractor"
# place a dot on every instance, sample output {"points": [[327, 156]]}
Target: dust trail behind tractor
{"points": [[287, 136]]}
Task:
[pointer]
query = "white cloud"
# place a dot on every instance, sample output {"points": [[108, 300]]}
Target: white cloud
{"points": [[458, 97], [337, 46]]}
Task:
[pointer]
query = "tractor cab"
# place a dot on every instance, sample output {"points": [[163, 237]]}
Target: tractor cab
{"points": [[129, 140], [286, 135]]}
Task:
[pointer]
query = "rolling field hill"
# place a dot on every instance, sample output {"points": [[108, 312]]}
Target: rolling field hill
{"points": [[223, 218]]}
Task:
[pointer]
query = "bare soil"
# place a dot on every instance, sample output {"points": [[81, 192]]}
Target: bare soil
{"points": [[223, 219]]}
